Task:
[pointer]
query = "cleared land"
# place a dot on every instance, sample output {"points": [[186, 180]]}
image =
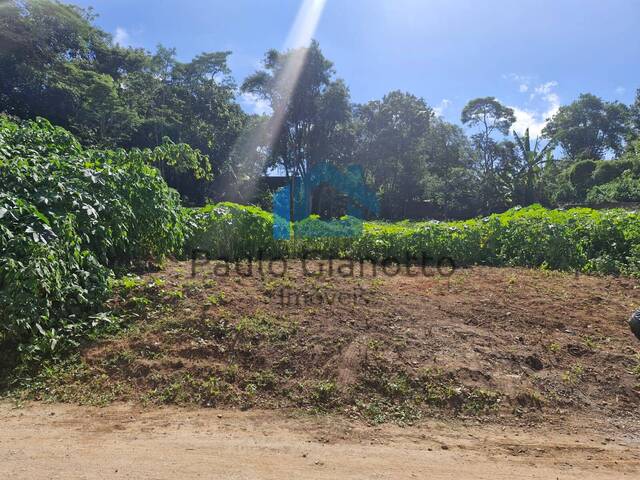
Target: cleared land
{"points": [[517, 373], [495, 343]]}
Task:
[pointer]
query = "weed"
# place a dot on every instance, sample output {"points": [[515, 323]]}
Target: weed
{"points": [[481, 401], [554, 347], [128, 283], [119, 359], [177, 294], [323, 393], [574, 375], [590, 343], [264, 379], [272, 286], [216, 299], [261, 326]]}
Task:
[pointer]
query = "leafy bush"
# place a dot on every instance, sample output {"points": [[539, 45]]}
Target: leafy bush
{"points": [[608, 170], [230, 231], [582, 239], [625, 188], [67, 216], [581, 175]]}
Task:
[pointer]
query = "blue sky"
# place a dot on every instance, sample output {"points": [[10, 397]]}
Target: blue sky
{"points": [[532, 55]]}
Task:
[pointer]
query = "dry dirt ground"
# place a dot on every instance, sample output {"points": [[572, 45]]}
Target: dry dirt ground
{"points": [[503, 343], [485, 373], [121, 441]]}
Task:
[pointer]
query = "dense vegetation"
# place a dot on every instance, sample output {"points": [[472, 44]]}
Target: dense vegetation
{"points": [[68, 216], [56, 64], [581, 239]]}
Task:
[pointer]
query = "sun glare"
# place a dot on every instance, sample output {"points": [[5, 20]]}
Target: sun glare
{"points": [[305, 24], [300, 36]]}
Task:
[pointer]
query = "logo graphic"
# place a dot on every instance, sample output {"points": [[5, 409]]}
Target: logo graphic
{"points": [[292, 204]]}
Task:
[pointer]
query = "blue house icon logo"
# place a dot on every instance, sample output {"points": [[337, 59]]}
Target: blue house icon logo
{"points": [[292, 204]]}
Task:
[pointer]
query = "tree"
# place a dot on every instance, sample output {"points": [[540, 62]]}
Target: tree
{"points": [[491, 118], [450, 182], [55, 64], [390, 145], [194, 103], [589, 128], [310, 109], [48, 69], [635, 116]]}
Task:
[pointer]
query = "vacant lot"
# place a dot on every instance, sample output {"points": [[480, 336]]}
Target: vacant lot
{"points": [[500, 345]]}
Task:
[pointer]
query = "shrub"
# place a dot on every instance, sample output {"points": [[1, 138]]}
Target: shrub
{"points": [[608, 170], [581, 176], [582, 239], [625, 188], [67, 216], [230, 231]]}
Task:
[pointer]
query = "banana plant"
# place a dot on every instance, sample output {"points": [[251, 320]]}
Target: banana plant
{"points": [[531, 160]]}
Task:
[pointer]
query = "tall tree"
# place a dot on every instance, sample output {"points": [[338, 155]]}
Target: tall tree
{"points": [[390, 146], [48, 69], [491, 118], [450, 182], [635, 116], [56, 64], [310, 108], [589, 128]]}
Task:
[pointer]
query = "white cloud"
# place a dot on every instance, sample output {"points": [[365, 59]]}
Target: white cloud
{"points": [[255, 104], [523, 81], [121, 37], [620, 90], [546, 88], [441, 107], [535, 119]]}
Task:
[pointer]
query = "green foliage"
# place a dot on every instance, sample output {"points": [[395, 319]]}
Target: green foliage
{"points": [[496, 161], [581, 239], [597, 181], [107, 192], [580, 175], [54, 63], [392, 150], [67, 216], [310, 108], [608, 170], [589, 127], [625, 188], [230, 231]]}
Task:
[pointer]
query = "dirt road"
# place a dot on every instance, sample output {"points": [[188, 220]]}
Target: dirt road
{"points": [[41, 441]]}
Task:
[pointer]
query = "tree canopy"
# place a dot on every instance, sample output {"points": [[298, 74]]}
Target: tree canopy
{"points": [[589, 127], [56, 64]]}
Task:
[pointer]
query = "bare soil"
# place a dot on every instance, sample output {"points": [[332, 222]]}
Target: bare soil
{"points": [[499, 343], [484, 373], [123, 441]]}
